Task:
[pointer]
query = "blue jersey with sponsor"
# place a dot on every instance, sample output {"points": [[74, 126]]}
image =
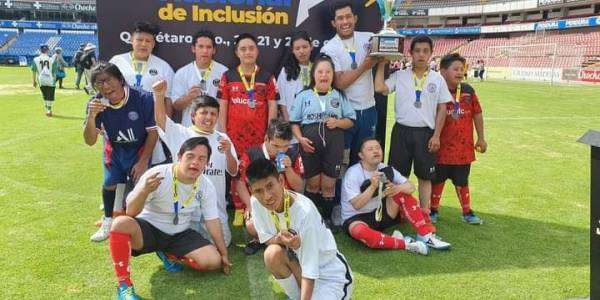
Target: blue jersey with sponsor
{"points": [[127, 127], [310, 107]]}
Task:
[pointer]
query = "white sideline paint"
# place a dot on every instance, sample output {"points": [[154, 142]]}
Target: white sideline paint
{"points": [[540, 118], [258, 278]]}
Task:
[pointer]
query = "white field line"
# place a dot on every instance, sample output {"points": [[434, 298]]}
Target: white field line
{"points": [[258, 278], [541, 118]]}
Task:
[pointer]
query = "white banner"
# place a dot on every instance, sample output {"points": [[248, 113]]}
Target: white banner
{"points": [[535, 74]]}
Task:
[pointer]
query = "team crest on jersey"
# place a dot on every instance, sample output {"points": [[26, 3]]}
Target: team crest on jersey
{"points": [[335, 103], [133, 116], [216, 82], [153, 72], [431, 87]]}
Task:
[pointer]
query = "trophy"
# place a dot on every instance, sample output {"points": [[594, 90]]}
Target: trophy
{"points": [[387, 43]]}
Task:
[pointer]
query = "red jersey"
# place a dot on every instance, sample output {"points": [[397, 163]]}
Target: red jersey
{"points": [[247, 126], [456, 140], [257, 152]]}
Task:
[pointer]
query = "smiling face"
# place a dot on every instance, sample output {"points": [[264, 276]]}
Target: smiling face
{"points": [[454, 74], [344, 22], [301, 49], [371, 153], [269, 192], [323, 75], [142, 44], [109, 87], [205, 118], [203, 50], [247, 51], [193, 162]]}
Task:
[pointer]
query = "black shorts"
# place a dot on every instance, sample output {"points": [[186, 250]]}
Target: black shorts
{"points": [[47, 92], [329, 150], [459, 174], [370, 219], [408, 145], [179, 244]]}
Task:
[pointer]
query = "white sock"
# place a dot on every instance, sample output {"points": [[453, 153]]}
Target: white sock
{"points": [[290, 286], [48, 105], [119, 193]]}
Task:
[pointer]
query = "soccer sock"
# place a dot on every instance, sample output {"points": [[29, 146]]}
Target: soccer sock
{"points": [[375, 239], [119, 206], [118, 244], [289, 286], [436, 195], [464, 196], [48, 105], [328, 204], [414, 214], [192, 264], [108, 199]]}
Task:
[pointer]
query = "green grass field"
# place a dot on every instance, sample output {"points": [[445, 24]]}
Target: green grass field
{"points": [[531, 189]]}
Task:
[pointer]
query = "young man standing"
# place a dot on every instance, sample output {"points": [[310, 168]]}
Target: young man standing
{"points": [[141, 70], [349, 51], [159, 211], [301, 252], [457, 150], [275, 148], [374, 196], [223, 160], [200, 77], [44, 70], [420, 110], [125, 117]]}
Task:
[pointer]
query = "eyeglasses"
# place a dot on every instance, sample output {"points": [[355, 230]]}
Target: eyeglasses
{"points": [[99, 83]]}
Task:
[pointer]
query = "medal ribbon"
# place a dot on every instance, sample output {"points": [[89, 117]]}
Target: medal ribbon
{"points": [[249, 87], [139, 73], [305, 74], [207, 72], [322, 102], [457, 98], [120, 104], [286, 212], [200, 131], [419, 85], [352, 52], [185, 202]]}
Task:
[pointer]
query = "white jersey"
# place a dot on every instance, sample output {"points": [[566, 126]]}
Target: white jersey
{"points": [[317, 243], [154, 70], [361, 92], [435, 91], [289, 89], [159, 207], [189, 76], [353, 179], [176, 134], [43, 65]]}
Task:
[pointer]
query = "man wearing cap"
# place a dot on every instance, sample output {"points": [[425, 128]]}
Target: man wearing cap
{"points": [[88, 60], [77, 64], [44, 70]]}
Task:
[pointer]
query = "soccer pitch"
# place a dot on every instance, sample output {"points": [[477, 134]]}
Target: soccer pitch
{"points": [[531, 189]]}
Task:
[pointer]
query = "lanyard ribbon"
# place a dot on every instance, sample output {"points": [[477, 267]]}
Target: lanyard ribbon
{"points": [[322, 102], [419, 85], [249, 87], [204, 76], [139, 68], [185, 202], [305, 74], [457, 98], [352, 52], [286, 213]]}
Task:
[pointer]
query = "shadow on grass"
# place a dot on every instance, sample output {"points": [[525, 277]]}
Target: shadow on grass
{"points": [[502, 242], [67, 117]]}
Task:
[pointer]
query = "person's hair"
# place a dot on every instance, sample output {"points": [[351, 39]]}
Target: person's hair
{"points": [[204, 33], [290, 62], [421, 39], [260, 169], [365, 140], [448, 59], [243, 36], [279, 129], [108, 68], [145, 27], [340, 5], [194, 142], [205, 101]]}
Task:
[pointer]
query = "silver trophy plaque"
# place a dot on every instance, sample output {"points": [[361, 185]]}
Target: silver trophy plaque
{"points": [[387, 42]]}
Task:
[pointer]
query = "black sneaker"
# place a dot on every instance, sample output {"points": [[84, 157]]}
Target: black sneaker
{"points": [[252, 247]]}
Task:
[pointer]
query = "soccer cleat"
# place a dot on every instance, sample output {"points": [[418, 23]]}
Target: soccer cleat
{"points": [[125, 292], [238, 219], [407, 239], [472, 218], [433, 216], [433, 241], [417, 247], [103, 231], [252, 247], [170, 265]]}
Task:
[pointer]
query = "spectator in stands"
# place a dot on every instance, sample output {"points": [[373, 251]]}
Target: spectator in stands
{"points": [[44, 70], [88, 61], [125, 118], [61, 64], [353, 75], [77, 64], [420, 109], [199, 77], [248, 98], [294, 77], [456, 142], [141, 69]]}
